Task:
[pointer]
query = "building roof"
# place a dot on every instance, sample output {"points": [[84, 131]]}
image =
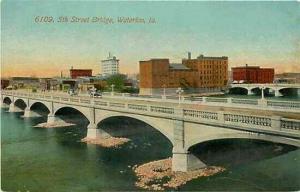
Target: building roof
{"points": [[205, 57], [80, 69], [246, 67], [25, 78], [178, 66]]}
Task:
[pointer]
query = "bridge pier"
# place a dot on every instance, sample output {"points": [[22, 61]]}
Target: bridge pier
{"points": [[250, 92], [13, 108], [52, 119], [29, 113], [277, 93], [95, 133], [184, 161]]}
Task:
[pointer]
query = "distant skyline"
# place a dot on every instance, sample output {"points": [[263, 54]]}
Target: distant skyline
{"points": [[265, 34]]}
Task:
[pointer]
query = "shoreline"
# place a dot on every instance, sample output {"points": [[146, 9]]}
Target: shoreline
{"points": [[158, 175], [111, 142], [60, 124]]}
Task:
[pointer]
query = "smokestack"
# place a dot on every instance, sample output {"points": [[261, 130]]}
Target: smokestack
{"points": [[189, 55]]}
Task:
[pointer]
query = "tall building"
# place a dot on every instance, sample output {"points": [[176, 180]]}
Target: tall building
{"points": [[252, 74], [110, 66], [199, 75]]}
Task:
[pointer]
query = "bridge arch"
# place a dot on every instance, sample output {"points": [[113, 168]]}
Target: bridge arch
{"points": [[262, 137], [20, 103], [288, 91], [7, 100], [238, 90], [158, 125], [73, 108], [41, 105]]}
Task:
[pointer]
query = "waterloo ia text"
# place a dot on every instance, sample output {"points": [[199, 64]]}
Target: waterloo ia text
{"points": [[95, 19]]}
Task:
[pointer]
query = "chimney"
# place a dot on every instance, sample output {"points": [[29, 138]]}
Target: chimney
{"points": [[189, 55]]}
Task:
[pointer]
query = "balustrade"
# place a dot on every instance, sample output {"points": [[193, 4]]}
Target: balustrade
{"points": [[119, 105], [284, 104], [162, 109], [85, 101], [246, 119], [290, 124], [137, 107], [218, 100], [244, 101], [200, 114]]}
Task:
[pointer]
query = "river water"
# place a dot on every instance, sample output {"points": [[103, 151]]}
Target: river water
{"points": [[38, 159]]}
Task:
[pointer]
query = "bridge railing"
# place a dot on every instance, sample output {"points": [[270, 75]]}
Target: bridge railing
{"points": [[228, 118], [290, 124], [231, 102], [283, 104]]}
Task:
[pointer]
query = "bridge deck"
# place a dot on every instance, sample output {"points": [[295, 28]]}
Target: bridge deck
{"points": [[200, 106]]}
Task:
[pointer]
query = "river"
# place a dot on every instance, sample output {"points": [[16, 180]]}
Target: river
{"points": [[38, 159]]}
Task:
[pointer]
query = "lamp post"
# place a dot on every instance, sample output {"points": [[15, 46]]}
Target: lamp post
{"points": [[179, 91], [93, 91], [262, 93], [112, 89], [164, 93]]}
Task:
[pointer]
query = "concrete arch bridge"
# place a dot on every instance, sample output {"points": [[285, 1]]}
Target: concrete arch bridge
{"points": [[183, 127], [276, 88]]}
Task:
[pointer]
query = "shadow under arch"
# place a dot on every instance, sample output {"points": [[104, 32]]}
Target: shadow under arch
{"points": [[125, 119], [233, 151], [20, 103], [289, 92], [238, 90], [7, 100], [146, 142], [71, 115], [40, 108]]}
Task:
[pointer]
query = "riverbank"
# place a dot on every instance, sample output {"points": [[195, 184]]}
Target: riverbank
{"points": [[158, 175], [59, 124], [111, 142]]}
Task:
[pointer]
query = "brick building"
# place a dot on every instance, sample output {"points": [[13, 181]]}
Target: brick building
{"points": [[252, 74], [74, 73], [203, 74]]}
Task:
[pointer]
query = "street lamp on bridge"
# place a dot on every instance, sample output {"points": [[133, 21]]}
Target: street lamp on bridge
{"points": [[179, 91], [262, 93], [112, 89], [164, 93]]}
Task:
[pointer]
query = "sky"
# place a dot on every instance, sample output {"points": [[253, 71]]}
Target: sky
{"points": [[265, 34]]}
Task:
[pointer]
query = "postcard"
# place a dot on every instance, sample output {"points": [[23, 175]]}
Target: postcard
{"points": [[150, 95]]}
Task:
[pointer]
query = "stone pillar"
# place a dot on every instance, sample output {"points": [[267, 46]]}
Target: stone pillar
{"points": [[178, 134], [275, 122], [221, 116], [277, 93], [29, 113], [92, 131], [250, 92], [184, 161], [13, 108], [52, 118]]}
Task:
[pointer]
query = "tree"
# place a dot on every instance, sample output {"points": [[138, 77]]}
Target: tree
{"points": [[118, 80]]}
